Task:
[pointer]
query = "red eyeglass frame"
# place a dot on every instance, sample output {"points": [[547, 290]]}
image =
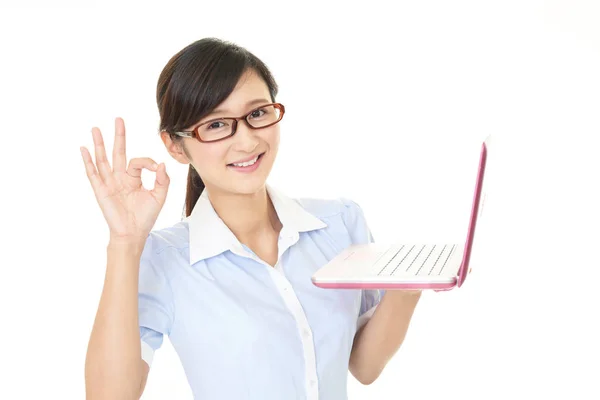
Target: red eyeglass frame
{"points": [[194, 133]]}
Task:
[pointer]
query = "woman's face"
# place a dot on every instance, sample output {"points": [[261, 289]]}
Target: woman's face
{"points": [[213, 161]]}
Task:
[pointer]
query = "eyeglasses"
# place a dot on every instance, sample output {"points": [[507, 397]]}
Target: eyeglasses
{"points": [[222, 128]]}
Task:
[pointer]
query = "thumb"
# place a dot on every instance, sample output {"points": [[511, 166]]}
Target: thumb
{"points": [[161, 184]]}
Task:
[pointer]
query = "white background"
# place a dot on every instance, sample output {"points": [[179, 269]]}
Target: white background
{"points": [[387, 105]]}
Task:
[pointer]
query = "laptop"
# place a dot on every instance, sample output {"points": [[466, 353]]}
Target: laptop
{"points": [[416, 266]]}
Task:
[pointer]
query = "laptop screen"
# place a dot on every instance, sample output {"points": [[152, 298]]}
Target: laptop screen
{"points": [[476, 210]]}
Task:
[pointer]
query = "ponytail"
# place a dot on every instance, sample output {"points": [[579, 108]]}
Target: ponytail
{"points": [[195, 186]]}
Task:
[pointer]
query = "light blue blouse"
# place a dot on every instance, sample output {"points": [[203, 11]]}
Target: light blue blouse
{"points": [[242, 328]]}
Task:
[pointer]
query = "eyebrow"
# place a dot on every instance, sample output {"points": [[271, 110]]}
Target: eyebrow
{"points": [[250, 103]]}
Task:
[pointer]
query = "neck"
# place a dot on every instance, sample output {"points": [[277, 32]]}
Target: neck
{"points": [[246, 215]]}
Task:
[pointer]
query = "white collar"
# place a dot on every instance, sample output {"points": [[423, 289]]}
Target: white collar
{"points": [[209, 236]]}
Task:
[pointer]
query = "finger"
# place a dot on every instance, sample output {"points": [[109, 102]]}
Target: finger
{"points": [[90, 169], [137, 164], [101, 160], [119, 155], [161, 184]]}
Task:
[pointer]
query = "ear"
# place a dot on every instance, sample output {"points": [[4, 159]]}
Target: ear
{"points": [[175, 148]]}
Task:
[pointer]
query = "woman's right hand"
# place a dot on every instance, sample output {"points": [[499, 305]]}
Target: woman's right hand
{"points": [[129, 209]]}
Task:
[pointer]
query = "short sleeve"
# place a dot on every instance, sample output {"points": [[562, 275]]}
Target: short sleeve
{"points": [[359, 231], [155, 310]]}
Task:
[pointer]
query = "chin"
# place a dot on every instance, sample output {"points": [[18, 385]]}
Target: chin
{"points": [[248, 192], [249, 183], [230, 183]]}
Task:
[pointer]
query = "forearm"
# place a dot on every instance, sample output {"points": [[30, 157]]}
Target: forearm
{"points": [[112, 366], [381, 337]]}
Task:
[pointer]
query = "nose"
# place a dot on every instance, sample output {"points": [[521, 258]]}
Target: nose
{"points": [[245, 139]]}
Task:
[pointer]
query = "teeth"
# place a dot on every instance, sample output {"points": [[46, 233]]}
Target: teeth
{"points": [[247, 163]]}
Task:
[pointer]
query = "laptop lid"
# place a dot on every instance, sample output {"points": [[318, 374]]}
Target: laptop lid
{"points": [[476, 209]]}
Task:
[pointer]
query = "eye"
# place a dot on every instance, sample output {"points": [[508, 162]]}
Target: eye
{"points": [[215, 125], [258, 113]]}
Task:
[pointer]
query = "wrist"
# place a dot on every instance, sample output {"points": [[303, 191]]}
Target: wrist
{"points": [[134, 245]]}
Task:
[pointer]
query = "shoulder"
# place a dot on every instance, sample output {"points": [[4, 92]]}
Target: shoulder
{"points": [[342, 215], [343, 207], [165, 247], [172, 237]]}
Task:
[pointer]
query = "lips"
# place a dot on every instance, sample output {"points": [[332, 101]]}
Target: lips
{"points": [[248, 167], [256, 156]]}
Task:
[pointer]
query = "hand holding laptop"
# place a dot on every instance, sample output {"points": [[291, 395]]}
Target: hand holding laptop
{"points": [[416, 266]]}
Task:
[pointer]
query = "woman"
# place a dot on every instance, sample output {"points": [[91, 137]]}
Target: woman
{"points": [[230, 284]]}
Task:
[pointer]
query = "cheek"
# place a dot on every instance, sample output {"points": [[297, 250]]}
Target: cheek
{"points": [[207, 158], [272, 138]]}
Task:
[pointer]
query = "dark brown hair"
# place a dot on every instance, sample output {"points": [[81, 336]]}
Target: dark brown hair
{"points": [[194, 82]]}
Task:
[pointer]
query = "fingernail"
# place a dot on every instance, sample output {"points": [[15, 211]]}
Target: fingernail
{"points": [[154, 166]]}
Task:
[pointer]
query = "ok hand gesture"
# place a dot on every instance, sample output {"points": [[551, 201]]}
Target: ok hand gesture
{"points": [[129, 209]]}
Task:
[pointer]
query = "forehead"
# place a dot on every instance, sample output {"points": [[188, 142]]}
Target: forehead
{"points": [[250, 87]]}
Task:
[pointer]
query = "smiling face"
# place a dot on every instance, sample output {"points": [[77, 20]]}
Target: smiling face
{"points": [[230, 165]]}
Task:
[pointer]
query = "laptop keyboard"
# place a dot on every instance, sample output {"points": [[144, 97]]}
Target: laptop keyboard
{"points": [[415, 259]]}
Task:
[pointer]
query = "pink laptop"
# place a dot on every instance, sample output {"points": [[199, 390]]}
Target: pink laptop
{"points": [[441, 266]]}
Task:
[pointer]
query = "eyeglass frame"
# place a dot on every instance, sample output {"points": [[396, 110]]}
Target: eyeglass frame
{"points": [[195, 135]]}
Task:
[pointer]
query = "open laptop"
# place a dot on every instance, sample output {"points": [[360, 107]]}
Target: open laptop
{"points": [[437, 266]]}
